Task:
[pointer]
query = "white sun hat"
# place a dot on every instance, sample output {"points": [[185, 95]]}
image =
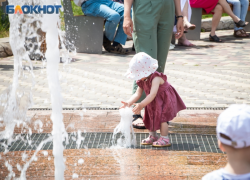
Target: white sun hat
{"points": [[234, 122], [140, 66]]}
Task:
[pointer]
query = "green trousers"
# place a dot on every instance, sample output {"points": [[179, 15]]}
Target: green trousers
{"points": [[153, 26]]}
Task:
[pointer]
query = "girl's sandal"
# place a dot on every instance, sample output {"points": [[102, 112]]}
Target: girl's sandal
{"points": [[150, 140], [161, 142], [241, 23], [215, 38]]}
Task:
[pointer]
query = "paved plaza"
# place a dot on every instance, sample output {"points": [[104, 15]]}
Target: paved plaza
{"points": [[208, 75]]}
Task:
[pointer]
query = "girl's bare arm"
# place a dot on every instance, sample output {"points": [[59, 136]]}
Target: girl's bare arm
{"points": [[135, 97], [154, 89]]}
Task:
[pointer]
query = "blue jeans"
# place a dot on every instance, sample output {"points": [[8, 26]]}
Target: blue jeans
{"points": [[240, 9], [113, 13]]}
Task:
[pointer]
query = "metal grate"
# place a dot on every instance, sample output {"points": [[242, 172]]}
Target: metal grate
{"points": [[98, 108], [180, 142]]}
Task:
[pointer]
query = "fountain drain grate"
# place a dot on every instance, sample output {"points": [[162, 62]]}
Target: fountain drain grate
{"points": [[180, 142], [98, 108]]}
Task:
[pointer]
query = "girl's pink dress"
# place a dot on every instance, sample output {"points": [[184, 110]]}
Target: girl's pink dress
{"points": [[164, 107], [207, 5]]}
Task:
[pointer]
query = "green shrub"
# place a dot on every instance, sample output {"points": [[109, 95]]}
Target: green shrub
{"points": [[211, 15], [77, 10], [4, 24]]}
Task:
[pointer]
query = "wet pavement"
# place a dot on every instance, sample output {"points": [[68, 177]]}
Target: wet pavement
{"points": [[139, 163]]}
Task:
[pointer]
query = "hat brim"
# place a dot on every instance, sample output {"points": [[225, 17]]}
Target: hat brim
{"points": [[138, 76]]}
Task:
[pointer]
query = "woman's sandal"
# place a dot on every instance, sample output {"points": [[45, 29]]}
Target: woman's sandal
{"points": [[192, 27], [136, 126], [215, 38], [241, 23], [245, 32], [161, 142], [241, 34], [150, 140]]}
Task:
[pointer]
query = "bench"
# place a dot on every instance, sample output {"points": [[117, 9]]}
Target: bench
{"points": [[84, 32], [196, 19]]}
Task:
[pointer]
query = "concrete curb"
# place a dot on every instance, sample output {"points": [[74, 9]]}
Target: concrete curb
{"points": [[225, 23]]}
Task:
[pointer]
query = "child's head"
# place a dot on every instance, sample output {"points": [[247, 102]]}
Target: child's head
{"points": [[233, 130], [141, 66]]}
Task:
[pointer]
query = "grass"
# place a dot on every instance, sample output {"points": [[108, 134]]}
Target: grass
{"points": [[211, 15]]}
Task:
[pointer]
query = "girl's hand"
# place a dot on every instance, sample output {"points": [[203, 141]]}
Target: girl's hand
{"points": [[125, 104], [137, 109], [180, 28]]}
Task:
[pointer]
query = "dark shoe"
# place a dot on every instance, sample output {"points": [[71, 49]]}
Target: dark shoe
{"points": [[118, 49], [133, 48], [241, 34], [240, 23], [215, 38], [106, 43], [136, 126]]}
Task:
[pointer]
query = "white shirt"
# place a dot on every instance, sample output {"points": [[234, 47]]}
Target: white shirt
{"points": [[221, 174], [79, 2]]}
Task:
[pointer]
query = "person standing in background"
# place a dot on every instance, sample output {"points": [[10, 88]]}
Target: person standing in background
{"points": [[151, 28]]}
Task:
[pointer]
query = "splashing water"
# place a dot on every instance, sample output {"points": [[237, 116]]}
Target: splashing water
{"points": [[49, 25], [127, 138], [16, 100]]}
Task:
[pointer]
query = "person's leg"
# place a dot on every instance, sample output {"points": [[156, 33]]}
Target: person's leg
{"points": [[244, 9], [228, 10], [216, 18], [145, 19], [120, 36], [183, 41], [240, 8], [164, 139], [164, 129], [164, 32], [185, 13], [100, 9], [144, 35], [236, 10], [151, 139]]}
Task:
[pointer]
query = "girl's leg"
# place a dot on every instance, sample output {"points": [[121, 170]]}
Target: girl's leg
{"points": [[163, 141], [150, 139], [164, 129], [216, 18]]}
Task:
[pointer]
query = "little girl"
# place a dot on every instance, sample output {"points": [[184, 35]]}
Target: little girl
{"points": [[162, 102]]}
